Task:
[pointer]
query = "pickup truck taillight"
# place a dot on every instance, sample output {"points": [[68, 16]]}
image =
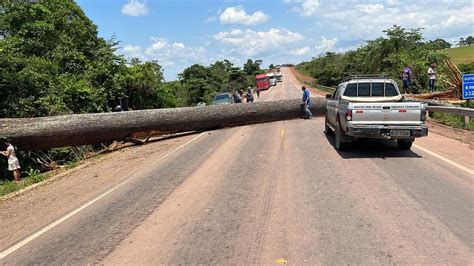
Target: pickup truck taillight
{"points": [[349, 115]]}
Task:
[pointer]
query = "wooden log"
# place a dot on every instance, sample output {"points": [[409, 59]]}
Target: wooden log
{"points": [[83, 129]]}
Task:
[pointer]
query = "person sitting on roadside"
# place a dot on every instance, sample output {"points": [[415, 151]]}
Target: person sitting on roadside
{"points": [[237, 97], [13, 163]]}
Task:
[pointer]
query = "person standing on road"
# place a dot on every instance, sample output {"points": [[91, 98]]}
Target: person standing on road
{"points": [[13, 163], [432, 77], [258, 92], [407, 75], [249, 95], [306, 104]]}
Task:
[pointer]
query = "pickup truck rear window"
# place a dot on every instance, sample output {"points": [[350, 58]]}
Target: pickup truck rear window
{"points": [[351, 90], [363, 90], [390, 90], [367, 89], [377, 90]]}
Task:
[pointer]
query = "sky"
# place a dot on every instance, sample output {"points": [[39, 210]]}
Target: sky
{"points": [[180, 33]]}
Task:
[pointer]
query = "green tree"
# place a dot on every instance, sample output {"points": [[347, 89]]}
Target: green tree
{"points": [[52, 60], [439, 44], [141, 83], [251, 68], [466, 41]]}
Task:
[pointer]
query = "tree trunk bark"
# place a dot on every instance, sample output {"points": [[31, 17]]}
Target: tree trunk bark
{"points": [[83, 129]]}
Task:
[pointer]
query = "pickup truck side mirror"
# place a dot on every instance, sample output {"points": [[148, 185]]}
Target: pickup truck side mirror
{"points": [[329, 96]]}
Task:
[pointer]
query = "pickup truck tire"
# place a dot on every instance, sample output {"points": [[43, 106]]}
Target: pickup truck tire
{"points": [[327, 129], [404, 144], [338, 139]]}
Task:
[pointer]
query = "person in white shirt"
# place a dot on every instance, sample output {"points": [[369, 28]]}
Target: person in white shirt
{"points": [[13, 163], [432, 77]]}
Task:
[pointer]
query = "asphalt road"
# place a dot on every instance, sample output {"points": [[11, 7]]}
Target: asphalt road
{"points": [[266, 193]]}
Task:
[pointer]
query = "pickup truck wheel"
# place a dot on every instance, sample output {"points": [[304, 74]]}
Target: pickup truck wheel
{"points": [[327, 129], [404, 144], [339, 134]]}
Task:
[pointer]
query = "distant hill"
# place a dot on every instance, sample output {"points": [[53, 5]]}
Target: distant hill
{"points": [[461, 55]]}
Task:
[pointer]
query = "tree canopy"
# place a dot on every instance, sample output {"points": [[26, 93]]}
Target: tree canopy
{"points": [[53, 62]]}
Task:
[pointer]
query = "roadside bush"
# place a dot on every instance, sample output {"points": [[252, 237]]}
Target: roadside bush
{"points": [[452, 120]]}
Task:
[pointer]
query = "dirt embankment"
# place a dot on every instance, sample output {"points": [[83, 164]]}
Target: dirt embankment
{"points": [[300, 77], [307, 81]]}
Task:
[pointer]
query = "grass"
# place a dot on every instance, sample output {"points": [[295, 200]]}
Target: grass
{"points": [[461, 55], [453, 120], [32, 177]]}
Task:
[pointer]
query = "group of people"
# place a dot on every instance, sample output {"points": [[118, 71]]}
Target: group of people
{"points": [[407, 76], [239, 95]]}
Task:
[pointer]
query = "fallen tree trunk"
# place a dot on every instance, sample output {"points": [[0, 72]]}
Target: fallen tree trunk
{"points": [[83, 129]]}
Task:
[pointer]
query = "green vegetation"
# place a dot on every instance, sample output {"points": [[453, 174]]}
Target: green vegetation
{"points": [[452, 120], [469, 40], [30, 177], [461, 55], [385, 55]]}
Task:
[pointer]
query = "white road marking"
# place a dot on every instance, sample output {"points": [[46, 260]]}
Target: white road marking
{"points": [[50, 226], [446, 160]]}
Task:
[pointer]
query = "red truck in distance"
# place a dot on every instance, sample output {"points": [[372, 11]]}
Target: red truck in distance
{"points": [[262, 82]]}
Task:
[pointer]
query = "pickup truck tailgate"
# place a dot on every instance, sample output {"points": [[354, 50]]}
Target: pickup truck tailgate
{"points": [[402, 113]]}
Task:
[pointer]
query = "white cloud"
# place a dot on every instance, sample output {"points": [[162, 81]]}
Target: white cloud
{"points": [[237, 15], [450, 21], [173, 56], [133, 51], [325, 45], [300, 51], [167, 53], [210, 19], [393, 2], [307, 8], [370, 8], [135, 8], [252, 43]]}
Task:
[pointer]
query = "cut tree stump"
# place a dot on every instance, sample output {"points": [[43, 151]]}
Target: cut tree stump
{"points": [[83, 129]]}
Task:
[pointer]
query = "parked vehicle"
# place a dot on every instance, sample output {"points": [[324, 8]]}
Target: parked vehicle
{"points": [[262, 82], [372, 107], [279, 77], [223, 98], [271, 79]]}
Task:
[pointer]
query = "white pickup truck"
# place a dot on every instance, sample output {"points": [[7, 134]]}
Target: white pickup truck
{"points": [[372, 107]]}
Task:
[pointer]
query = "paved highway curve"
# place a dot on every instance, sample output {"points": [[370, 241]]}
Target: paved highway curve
{"points": [[253, 195]]}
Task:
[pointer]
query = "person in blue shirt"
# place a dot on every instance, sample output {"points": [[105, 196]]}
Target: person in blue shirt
{"points": [[306, 104]]}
